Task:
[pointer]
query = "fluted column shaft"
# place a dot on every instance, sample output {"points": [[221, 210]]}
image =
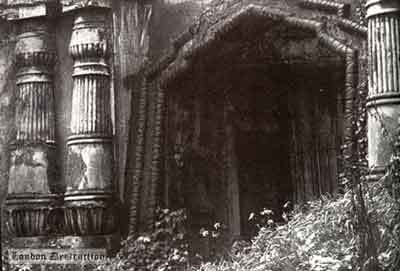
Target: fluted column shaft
{"points": [[90, 116], [32, 178], [384, 81], [90, 184]]}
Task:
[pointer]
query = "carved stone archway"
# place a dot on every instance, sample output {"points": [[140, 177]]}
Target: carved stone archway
{"points": [[178, 67]]}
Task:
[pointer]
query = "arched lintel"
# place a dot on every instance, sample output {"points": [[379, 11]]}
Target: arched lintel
{"points": [[186, 55]]}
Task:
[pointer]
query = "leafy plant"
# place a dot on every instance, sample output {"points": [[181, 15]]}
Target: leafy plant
{"points": [[164, 248], [319, 237]]}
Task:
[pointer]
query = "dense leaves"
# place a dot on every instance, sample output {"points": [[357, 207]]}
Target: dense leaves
{"points": [[163, 249], [319, 236], [324, 236], [331, 233]]}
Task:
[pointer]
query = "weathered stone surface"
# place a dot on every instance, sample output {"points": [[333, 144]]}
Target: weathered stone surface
{"points": [[35, 37], [90, 206], [31, 170], [90, 167], [380, 7], [384, 81], [35, 58], [70, 5], [20, 9], [91, 110], [383, 124], [90, 214], [168, 19], [32, 215], [32, 166], [90, 154], [203, 57], [32, 176], [7, 88]]}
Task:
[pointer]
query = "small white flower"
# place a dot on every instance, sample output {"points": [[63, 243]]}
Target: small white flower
{"points": [[251, 216], [217, 225], [203, 232], [266, 212], [175, 257], [144, 239]]}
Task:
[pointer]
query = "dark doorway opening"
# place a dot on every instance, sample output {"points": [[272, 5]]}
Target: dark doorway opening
{"points": [[256, 124]]}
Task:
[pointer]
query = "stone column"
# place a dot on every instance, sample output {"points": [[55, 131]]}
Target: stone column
{"points": [[32, 189], [384, 82], [90, 198]]}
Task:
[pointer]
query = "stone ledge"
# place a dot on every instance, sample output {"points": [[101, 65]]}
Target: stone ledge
{"points": [[18, 10], [71, 5], [26, 9]]}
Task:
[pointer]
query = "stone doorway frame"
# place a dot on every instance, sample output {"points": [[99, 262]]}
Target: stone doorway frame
{"points": [[179, 61]]}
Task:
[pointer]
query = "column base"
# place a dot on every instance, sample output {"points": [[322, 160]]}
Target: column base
{"points": [[90, 213], [33, 214]]}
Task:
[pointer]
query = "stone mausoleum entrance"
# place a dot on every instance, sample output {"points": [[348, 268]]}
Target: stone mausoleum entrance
{"points": [[254, 122], [255, 104]]}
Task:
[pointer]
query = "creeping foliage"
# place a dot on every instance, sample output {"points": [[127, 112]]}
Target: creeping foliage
{"points": [[319, 236], [325, 235], [162, 249]]}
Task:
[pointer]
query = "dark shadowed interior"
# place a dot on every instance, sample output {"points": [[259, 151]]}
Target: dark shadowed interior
{"points": [[253, 125]]}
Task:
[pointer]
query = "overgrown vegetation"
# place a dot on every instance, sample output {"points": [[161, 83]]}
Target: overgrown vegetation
{"points": [[322, 235], [317, 237], [165, 248]]}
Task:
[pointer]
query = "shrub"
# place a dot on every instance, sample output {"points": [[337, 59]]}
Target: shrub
{"points": [[319, 236], [164, 248]]}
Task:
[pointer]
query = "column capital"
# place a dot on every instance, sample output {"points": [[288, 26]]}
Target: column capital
{"points": [[35, 50], [377, 7], [72, 5], [89, 44]]}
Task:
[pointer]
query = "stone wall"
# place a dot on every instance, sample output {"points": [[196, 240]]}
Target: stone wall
{"points": [[7, 89]]}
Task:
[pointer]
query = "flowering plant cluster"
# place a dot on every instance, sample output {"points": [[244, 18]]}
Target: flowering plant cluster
{"points": [[165, 248], [314, 237]]}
